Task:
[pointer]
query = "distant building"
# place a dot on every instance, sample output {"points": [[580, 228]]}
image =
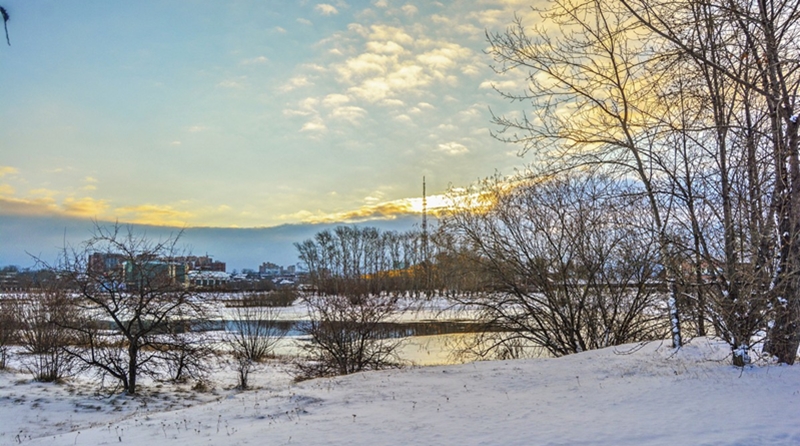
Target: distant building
{"points": [[208, 279], [139, 274], [102, 262], [9, 280], [269, 269], [202, 263]]}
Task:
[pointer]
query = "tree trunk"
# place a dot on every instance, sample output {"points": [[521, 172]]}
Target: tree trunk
{"points": [[133, 353]]}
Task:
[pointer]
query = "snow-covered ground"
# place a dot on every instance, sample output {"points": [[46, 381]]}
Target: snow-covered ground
{"points": [[617, 396]]}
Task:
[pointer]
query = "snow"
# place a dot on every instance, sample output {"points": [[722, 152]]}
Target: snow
{"points": [[631, 395]]}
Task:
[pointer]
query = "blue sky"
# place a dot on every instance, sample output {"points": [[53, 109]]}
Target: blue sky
{"points": [[246, 113]]}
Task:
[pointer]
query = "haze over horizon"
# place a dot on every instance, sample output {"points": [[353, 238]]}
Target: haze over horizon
{"points": [[26, 239], [247, 114]]}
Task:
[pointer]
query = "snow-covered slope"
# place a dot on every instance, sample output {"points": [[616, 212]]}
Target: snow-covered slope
{"points": [[619, 396]]}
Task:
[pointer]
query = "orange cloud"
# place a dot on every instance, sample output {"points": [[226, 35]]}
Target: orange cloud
{"points": [[436, 204], [85, 207], [7, 170], [37, 207], [152, 214]]}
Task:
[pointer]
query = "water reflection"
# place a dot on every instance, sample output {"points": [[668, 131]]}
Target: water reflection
{"points": [[424, 342], [383, 330]]}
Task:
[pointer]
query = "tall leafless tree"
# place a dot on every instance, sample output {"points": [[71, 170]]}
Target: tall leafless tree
{"points": [[747, 54], [693, 100]]}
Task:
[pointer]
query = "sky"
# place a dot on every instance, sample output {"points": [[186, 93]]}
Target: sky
{"points": [[247, 114]]}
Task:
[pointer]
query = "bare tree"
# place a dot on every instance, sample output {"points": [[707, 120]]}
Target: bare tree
{"points": [[252, 334], [131, 297], [359, 275], [43, 317], [9, 326], [746, 53], [588, 87], [568, 263], [353, 260], [348, 335], [695, 101]]}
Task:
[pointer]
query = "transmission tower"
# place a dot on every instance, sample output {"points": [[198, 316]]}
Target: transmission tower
{"points": [[424, 224]]}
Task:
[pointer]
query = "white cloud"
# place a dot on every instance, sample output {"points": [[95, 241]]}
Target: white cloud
{"points": [[295, 82], [409, 9], [441, 20], [365, 64], [259, 60], [390, 33], [381, 4], [500, 85], [384, 47], [304, 21], [335, 100], [391, 102], [295, 112], [445, 57], [350, 113], [306, 107], [359, 29], [452, 148], [326, 9], [315, 125], [279, 29]]}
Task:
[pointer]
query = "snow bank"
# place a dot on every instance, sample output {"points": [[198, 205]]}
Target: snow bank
{"points": [[616, 396]]}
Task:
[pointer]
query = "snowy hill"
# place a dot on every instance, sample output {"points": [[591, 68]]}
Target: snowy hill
{"points": [[619, 396]]}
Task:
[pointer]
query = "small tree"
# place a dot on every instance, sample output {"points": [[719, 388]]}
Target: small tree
{"points": [[252, 334], [131, 282], [9, 325], [43, 317], [359, 274], [185, 355]]}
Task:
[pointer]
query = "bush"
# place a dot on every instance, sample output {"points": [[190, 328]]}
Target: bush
{"points": [[43, 318], [9, 325], [346, 335], [252, 334]]}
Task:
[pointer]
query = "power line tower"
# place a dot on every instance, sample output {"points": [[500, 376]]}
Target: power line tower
{"points": [[424, 223]]}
